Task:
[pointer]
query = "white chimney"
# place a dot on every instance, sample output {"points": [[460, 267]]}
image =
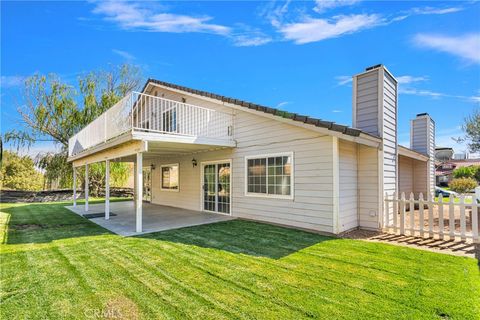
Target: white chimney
{"points": [[422, 139], [375, 112]]}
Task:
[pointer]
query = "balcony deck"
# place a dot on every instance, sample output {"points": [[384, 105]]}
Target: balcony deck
{"points": [[149, 118]]}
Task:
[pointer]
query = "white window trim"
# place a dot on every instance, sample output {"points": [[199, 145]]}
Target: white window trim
{"points": [[291, 196], [161, 177]]}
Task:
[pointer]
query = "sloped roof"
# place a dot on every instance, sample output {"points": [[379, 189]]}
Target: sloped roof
{"points": [[284, 114]]}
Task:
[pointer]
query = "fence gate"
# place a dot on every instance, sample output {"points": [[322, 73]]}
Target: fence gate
{"points": [[450, 218]]}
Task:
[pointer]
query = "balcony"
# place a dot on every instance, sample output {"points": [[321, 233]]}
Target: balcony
{"points": [[149, 117]]}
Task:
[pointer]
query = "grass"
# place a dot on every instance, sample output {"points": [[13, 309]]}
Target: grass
{"points": [[455, 200], [57, 265]]}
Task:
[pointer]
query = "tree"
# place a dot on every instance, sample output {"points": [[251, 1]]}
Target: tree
{"points": [[471, 128], [19, 173], [54, 111], [466, 172], [462, 185]]}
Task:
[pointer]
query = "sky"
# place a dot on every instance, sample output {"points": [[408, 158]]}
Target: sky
{"points": [[298, 56]]}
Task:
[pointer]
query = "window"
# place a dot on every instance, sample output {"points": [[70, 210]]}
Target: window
{"points": [[170, 177], [270, 175], [169, 120]]}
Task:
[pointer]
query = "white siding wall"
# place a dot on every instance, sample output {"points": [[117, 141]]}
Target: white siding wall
{"points": [[423, 141], [405, 175], [366, 102], [390, 143], [379, 105], [348, 209], [420, 182], [369, 200], [312, 206]]}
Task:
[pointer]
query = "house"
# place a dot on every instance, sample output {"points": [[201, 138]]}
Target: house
{"points": [[201, 151], [444, 170]]}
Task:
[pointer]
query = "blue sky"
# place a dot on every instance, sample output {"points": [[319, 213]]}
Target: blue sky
{"points": [[298, 56]]}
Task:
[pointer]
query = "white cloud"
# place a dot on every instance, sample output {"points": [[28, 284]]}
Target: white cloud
{"points": [[250, 41], [281, 104], [410, 79], [134, 16], [337, 111], [465, 46], [432, 10], [124, 54], [437, 95], [246, 36], [343, 80], [324, 5], [11, 81], [312, 30], [306, 28]]}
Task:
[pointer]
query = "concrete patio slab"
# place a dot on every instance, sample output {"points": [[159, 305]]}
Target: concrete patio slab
{"points": [[155, 217]]}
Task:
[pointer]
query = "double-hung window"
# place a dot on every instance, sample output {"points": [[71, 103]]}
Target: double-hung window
{"points": [[270, 175], [170, 177]]}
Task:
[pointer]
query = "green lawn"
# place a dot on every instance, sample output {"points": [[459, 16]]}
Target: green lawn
{"points": [[56, 265]]}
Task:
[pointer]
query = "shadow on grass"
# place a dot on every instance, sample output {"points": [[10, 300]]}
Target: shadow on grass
{"points": [[243, 237], [42, 223]]}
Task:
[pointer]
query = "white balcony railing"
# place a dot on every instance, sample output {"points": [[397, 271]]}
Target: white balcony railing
{"points": [[139, 112]]}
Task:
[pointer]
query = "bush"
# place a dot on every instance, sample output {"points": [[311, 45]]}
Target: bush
{"points": [[462, 185], [19, 173], [467, 172]]}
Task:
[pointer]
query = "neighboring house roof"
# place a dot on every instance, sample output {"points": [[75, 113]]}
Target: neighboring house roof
{"points": [[284, 114], [447, 167]]}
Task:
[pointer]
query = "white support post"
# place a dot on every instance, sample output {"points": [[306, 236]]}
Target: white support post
{"points": [[74, 187], [86, 187], [135, 184], [107, 189], [139, 191]]}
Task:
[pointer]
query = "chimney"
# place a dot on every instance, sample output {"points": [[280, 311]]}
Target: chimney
{"points": [[422, 139], [375, 112]]}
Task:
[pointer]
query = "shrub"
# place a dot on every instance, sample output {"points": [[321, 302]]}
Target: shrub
{"points": [[466, 172], [462, 185]]}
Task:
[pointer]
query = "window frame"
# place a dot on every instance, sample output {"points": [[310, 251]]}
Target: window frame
{"points": [[291, 196], [161, 177]]}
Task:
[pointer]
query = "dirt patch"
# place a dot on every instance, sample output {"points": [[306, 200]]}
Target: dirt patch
{"points": [[457, 248], [26, 227], [34, 226], [121, 308]]}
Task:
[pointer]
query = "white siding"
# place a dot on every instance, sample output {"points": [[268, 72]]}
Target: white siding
{"points": [[405, 175], [366, 102], [348, 209], [420, 182], [423, 141], [312, 206], [390, 143], [368, 187], [382, 110]]}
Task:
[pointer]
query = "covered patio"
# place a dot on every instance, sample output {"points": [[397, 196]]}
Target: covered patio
{"points": [[155, 217]]}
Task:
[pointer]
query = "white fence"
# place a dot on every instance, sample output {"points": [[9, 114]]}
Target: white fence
{"points": [[146, 113], [454, 219]]}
